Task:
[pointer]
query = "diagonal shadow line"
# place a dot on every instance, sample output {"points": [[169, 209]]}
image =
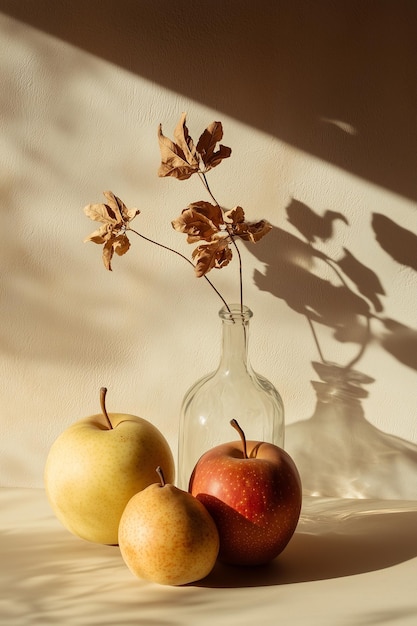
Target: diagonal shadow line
{"points": [[308, 67]]}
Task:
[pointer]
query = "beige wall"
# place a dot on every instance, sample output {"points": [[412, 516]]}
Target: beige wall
{"points": [[317, 101]]}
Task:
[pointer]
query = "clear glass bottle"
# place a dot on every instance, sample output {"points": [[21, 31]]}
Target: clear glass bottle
{"points": [[234, 390]]}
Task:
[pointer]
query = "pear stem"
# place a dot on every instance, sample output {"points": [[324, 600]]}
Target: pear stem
{"points": [[161, 475], [103, 392], [236, 426]]}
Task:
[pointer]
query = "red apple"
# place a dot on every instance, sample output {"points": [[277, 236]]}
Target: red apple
{"points": [[253, 492]]}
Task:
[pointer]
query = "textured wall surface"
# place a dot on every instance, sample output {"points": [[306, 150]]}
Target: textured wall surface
{"points": [[318, 103]]}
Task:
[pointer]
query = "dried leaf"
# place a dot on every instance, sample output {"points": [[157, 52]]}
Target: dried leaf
{"points": [[119, 244], [115, 218], [215, 254], [115, 212], [206, 146], [235, 216], [252, 231], [200, 220], [100, 235], [185, 142], [248, 231], [177, 159], [101, 213]]}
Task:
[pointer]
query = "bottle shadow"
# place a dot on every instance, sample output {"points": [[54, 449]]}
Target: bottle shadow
{"points": [[340, 454], [334, 539], [337, 450]]}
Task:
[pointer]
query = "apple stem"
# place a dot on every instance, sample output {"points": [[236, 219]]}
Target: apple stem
{"points": [[103, 392], [236, 426], [161, 475]]}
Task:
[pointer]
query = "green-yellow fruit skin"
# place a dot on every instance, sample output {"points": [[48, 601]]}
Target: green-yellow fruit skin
{"points": [[91, 472], [167, 536]]}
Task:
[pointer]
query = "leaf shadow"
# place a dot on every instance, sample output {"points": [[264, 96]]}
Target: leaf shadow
{"points": [[356, 459], [289, 275], [398, 242], [400, 341], [348, 297]]}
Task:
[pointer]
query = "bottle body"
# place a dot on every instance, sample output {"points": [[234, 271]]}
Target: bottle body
{"points": [[233, 390]]}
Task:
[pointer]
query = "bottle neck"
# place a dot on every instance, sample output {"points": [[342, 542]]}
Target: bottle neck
{"points": [[235, 337]]}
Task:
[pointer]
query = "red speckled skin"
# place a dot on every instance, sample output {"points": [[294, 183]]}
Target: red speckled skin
{"points": [[255, 502]]}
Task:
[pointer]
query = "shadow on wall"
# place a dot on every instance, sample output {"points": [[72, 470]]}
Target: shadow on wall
{"points": [[332, 78], [338, 452]]}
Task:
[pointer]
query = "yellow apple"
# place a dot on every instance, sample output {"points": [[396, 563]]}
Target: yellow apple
{"points": [[97, 465], [167, 536]]}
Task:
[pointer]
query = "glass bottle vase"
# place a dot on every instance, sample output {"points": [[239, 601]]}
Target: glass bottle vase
{"points": [[233, 390]]}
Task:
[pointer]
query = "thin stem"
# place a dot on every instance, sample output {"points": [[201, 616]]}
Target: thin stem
{"points": [[336, 271], [233, 240], [161, 245], [316, 340], [203, 179], [161, 475], [103, 392], [236, 426], [240, 273], [363, 344]]}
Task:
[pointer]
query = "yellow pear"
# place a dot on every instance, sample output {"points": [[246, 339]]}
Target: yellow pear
{"points": [[167, 536], [97, 465]]}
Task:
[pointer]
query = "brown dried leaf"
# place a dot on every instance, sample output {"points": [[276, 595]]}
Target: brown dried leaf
{"points": [[119, 244], [101, 213], [115, 212], [115, 218], [177, 159], [235, 216], [215, 254], [207, 143], [185, 142], [252, 231], [200, 220], [248, 231], [99, 236]]}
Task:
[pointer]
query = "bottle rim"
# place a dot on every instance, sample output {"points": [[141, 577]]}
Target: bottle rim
{"points": [[236, 312]]}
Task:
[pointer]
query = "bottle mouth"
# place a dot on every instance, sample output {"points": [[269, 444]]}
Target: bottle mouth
{"points": [[236, 313]]}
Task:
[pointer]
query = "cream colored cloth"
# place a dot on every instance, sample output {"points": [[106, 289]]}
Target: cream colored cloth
{"points": [[350, 563]]}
